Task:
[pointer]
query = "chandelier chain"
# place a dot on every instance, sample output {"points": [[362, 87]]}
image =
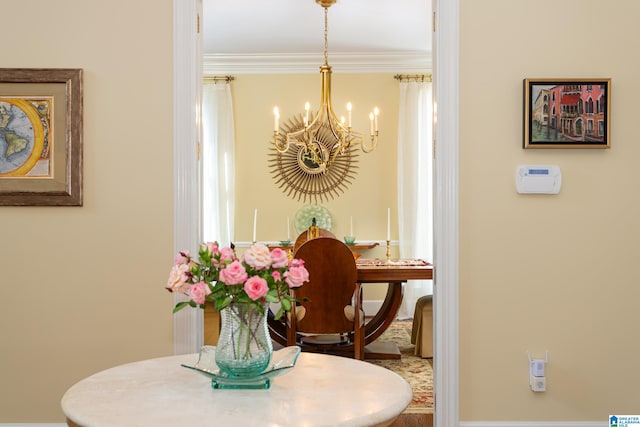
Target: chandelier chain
{"points": [[326, 36]]}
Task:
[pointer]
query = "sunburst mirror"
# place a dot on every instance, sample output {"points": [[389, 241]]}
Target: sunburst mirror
{"points": [[300, 177]]}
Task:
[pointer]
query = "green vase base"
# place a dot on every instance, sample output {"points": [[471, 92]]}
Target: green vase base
{"points": [[244, 384]]}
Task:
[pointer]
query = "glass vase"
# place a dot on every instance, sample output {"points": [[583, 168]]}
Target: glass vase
{"points": [[244, 348]]}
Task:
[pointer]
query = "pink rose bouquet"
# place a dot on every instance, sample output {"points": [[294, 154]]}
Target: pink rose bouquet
{"points": [[219, 276]]}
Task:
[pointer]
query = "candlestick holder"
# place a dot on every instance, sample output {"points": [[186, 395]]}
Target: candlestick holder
{"points": [[388, 250]]}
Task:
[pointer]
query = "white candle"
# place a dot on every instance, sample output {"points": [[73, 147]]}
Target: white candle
{"points": [[255, 222], [349, 107], [276, 118], [371, 122], [351, 226], [288, 232], [306, 114], [388, 223], [375, 117]]}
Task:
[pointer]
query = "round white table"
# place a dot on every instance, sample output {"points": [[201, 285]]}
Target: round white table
{"points": [[321, 390]]}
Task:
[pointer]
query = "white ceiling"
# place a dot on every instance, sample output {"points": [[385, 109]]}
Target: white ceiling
{"points": [[263, 36]]}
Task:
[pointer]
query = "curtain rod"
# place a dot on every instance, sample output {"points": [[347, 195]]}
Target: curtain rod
{"points": [[413, 77], [218, 79]]}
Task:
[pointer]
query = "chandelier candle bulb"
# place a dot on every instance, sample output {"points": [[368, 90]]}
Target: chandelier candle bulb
{"points": [[276, 119], [371, 122], [375, 118], [306, 114], [349, 107]]}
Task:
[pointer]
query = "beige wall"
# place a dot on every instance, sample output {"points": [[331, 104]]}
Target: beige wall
{"points": [[81, 287], [552, 273]]}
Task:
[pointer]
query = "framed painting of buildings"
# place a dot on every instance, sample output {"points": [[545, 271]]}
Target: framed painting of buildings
{"points": [[41, 130], [567, 113]]}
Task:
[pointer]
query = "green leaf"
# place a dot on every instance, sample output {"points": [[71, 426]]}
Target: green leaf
{"points": [[222, 303], [286, 304], [179, 306], [272, 298]]}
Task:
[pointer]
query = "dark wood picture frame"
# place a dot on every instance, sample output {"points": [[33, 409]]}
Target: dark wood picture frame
{"points": [[41, 121], [567, 113]]}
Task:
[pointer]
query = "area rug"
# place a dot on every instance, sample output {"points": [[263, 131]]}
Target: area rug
{"points": [[417, 371]]}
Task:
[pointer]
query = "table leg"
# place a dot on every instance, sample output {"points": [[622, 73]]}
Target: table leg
{"points": [[387, 313], [380, 322]]}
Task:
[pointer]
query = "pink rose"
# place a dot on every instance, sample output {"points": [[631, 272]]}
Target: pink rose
{"points": [[276, 276], [233, 274], [257, 256], [296, 262], [198, 292], [279, 258], [256, 287], [178, 278], [296, 276], [211, 246], [227, 254], [182, 257]]}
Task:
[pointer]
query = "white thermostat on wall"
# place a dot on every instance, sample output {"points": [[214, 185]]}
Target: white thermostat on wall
{"points": [[538, 179]]}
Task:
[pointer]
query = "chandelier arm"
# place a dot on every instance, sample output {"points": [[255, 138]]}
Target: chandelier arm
{"points": [[310, 144], [339, 131], [372, 146], [280, 147]]}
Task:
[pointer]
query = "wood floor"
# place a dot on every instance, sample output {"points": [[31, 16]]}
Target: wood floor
{"points": [[413, 420]]}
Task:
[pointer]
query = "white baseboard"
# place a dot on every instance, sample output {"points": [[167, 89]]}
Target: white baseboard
{"points": [[533, 424], [33, 425]]}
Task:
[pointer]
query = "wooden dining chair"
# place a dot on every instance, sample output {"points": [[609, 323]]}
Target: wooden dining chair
{"points": [[332, 292], [304, 237]]}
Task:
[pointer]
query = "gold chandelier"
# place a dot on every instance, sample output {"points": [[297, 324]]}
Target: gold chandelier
{"points": [[309, 134]]}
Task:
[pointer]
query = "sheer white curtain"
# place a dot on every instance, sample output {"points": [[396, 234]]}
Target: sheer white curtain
{"points": [[415, 195], [217, 163]]}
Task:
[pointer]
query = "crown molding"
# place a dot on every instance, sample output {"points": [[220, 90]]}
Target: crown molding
{"points": [[382, 62]]}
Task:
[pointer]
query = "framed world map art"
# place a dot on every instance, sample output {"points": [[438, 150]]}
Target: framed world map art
{"points": [[41, 137]]}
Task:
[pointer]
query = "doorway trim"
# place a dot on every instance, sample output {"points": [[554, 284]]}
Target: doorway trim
{"points": [[446, 194], [188, 60]]}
